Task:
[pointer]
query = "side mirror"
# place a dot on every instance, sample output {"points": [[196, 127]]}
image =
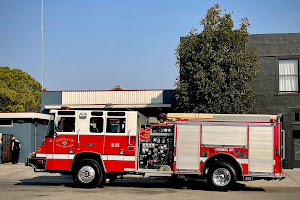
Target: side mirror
{"points": [[56, 125]]}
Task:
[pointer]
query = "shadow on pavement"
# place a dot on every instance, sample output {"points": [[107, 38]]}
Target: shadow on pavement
{"points": [[60, 180], [168, 183], [67, 181]]}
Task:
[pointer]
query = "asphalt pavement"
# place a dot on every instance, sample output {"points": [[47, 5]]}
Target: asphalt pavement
{"points": [[20, 182]]}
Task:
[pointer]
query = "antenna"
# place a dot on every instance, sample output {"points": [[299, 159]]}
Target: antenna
{"points": [[42, 29]]}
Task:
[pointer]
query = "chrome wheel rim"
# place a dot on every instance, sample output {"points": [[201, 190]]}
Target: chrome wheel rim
{"points": [[221, 177], [86, 174]]}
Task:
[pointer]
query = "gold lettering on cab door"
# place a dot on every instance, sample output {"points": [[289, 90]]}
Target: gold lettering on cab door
{"points": [[64, 142]]}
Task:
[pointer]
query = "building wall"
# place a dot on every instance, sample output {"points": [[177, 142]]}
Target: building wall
{"points": [[155, 101], [271, 48], [51, 98], [114, 97], [107, 96], [38, 134], [169, 97], [25, 133]]}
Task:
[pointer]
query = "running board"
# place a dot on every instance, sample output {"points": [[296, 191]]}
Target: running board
{"points": [[158, 174]]}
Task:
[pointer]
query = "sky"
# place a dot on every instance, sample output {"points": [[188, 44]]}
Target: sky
{"points": [[97, 44]]}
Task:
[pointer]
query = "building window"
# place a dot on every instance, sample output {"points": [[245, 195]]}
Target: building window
{"points": [[295, 116], [288, 76], [297, 119], [5, 122], [96, 125]]}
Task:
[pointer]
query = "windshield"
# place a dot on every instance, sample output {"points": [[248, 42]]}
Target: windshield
{"points": [[50, 130]]}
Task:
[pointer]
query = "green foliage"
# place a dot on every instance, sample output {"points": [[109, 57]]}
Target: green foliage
{"points": [[19, 92], [216, 67]]}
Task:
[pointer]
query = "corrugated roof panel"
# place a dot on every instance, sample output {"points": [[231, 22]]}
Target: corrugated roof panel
{"points": [[114, 97]]}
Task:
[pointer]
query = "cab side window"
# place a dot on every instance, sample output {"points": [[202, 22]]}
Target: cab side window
{"points": [[96, 125], [115, 125], [67, 124]]}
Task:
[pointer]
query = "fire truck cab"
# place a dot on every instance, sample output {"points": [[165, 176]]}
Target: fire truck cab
{"points": [[95, 145]]}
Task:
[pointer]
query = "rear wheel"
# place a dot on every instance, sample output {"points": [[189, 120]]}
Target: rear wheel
{"points": [[88, 173], [222, 176]]}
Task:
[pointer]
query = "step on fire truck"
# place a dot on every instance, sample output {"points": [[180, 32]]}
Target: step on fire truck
{"points": [[95, 145]]}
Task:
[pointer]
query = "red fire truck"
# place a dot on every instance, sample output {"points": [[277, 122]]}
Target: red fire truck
{"points": [[95, 145]]}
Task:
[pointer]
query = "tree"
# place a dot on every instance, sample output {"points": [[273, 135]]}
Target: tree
{"points": [[19, 92], [216, 67]]}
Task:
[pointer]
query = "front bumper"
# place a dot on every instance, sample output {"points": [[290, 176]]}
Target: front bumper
{"points": [[38, 164]]}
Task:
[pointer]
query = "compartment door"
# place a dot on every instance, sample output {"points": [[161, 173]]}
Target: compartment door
{"points": [[187, 147], [261, 150]]}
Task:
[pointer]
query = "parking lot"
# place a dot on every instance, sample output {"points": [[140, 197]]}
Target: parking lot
{"points": [[20, 182]]}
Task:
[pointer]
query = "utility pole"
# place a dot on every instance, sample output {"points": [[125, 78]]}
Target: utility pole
{"points": [[42, 29]]}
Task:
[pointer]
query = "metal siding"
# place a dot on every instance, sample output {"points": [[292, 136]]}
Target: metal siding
{"points": [[40, 135], [25, 134], [114, 97], [188, 138]]}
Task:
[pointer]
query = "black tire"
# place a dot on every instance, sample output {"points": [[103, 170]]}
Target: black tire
{"points": [[221, 176], [88, 174]]}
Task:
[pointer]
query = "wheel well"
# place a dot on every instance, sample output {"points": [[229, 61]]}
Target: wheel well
{"points": [[222, 157], [87, 155]]}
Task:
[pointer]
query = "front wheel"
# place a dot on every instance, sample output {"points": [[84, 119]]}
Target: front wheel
{"points": [[222, 176], [88, 174]]}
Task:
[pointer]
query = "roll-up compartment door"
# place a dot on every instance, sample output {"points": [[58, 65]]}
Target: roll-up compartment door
{"points": [[188, 141], [261, 150]]}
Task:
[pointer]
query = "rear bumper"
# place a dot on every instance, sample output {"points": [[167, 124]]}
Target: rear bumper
{"points": [[38, 164]]}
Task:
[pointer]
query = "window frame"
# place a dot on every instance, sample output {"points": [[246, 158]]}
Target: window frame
{"points": [[103, 124], [115, 117], [293, 112], [7, 125], [277, 75], [65, 116]]}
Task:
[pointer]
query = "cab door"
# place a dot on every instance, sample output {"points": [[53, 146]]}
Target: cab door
{"points": [[120, 141], [116, 135], [65, 141], [91, 131]]}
